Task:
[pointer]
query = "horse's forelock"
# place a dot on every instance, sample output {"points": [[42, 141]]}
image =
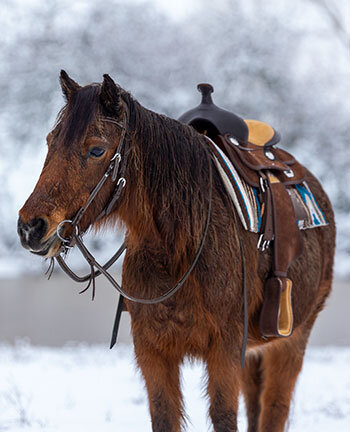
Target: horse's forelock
{"points": [[81, 110]]}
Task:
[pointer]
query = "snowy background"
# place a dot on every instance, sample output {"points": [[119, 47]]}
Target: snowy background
{"points": [[283, 62]]}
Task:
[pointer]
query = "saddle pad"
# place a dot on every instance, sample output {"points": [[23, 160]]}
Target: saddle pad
{"points": [[245, 198]]}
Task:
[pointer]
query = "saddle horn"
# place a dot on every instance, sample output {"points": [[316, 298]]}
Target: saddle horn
{"points": [[206, 90], [206, 112]]}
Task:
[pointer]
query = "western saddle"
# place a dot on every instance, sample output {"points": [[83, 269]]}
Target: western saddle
{"points": [[250, 147]]}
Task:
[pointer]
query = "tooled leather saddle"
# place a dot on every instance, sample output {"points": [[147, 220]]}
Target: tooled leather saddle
{"points": [[250, 146]]}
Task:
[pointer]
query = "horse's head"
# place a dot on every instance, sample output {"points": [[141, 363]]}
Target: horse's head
{"points": [[80, 147]]}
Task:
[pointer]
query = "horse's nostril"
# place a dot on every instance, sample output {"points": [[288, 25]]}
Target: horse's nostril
{"points": [[32, 232], [37, 224], [38, 228]]}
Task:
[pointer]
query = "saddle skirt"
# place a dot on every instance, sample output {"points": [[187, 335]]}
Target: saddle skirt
{"points": [[250, 209]]}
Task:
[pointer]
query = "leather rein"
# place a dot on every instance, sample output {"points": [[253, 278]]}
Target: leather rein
{"points": [[117, 169]]}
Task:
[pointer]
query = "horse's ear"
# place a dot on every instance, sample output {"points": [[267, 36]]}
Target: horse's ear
{"points": [[110, 96], [68, 85]]}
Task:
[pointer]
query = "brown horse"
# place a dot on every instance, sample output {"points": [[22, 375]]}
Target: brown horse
{"points": [[164, 207]]}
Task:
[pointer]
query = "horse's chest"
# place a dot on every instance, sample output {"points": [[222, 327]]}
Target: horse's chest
{"points": [[170, 314], [172, 326]]}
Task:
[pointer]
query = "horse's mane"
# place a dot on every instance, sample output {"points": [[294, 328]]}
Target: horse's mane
{"points": [[171, 174]]}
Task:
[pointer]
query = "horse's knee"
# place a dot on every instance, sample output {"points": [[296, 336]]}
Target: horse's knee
{"points": [[165, 417], [252, 383], [282, 364], [274, 416], [223, 388], [162, 378], [223, 417]]}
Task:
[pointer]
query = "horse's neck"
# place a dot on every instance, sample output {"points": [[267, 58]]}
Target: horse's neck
{"points": [[165, 196]]}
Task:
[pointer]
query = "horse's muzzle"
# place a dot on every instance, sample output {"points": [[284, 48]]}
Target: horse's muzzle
{"points": [[31, 234]]}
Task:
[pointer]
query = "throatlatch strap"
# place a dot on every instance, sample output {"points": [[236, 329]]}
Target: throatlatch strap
{"points": [[117, 321]]}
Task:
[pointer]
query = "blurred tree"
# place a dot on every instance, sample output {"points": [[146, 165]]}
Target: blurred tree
{"points": [[336, 18], [267, 60]]}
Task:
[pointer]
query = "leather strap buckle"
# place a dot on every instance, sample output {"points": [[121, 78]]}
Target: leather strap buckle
{"points": [[263, 244], [263, 184]]}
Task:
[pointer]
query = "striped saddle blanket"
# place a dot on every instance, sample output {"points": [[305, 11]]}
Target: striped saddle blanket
{"points": [[250, 211]]}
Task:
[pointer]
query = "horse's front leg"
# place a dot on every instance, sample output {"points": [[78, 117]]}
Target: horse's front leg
{"points": [[162, 379], [223, 389]]}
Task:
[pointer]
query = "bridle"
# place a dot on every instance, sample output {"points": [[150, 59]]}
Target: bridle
{"points": [[116, 171], [116, 168]]}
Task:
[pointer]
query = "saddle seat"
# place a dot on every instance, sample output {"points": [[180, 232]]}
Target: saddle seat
{"points": [[249, 146]]}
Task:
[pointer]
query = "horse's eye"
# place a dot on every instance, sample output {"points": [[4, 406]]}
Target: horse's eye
{"points": [[96, 152]]}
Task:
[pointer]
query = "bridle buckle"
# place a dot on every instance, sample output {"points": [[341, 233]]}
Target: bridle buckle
{"points": [[122, 181]]}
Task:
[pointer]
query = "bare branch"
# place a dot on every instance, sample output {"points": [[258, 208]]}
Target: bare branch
{"points": [[335, 18]]}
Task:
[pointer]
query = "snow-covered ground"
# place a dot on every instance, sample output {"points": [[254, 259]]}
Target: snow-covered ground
{"points": [[82, 388]]}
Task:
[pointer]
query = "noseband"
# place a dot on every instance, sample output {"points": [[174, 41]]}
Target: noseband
{"points": [[117, 169]]}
